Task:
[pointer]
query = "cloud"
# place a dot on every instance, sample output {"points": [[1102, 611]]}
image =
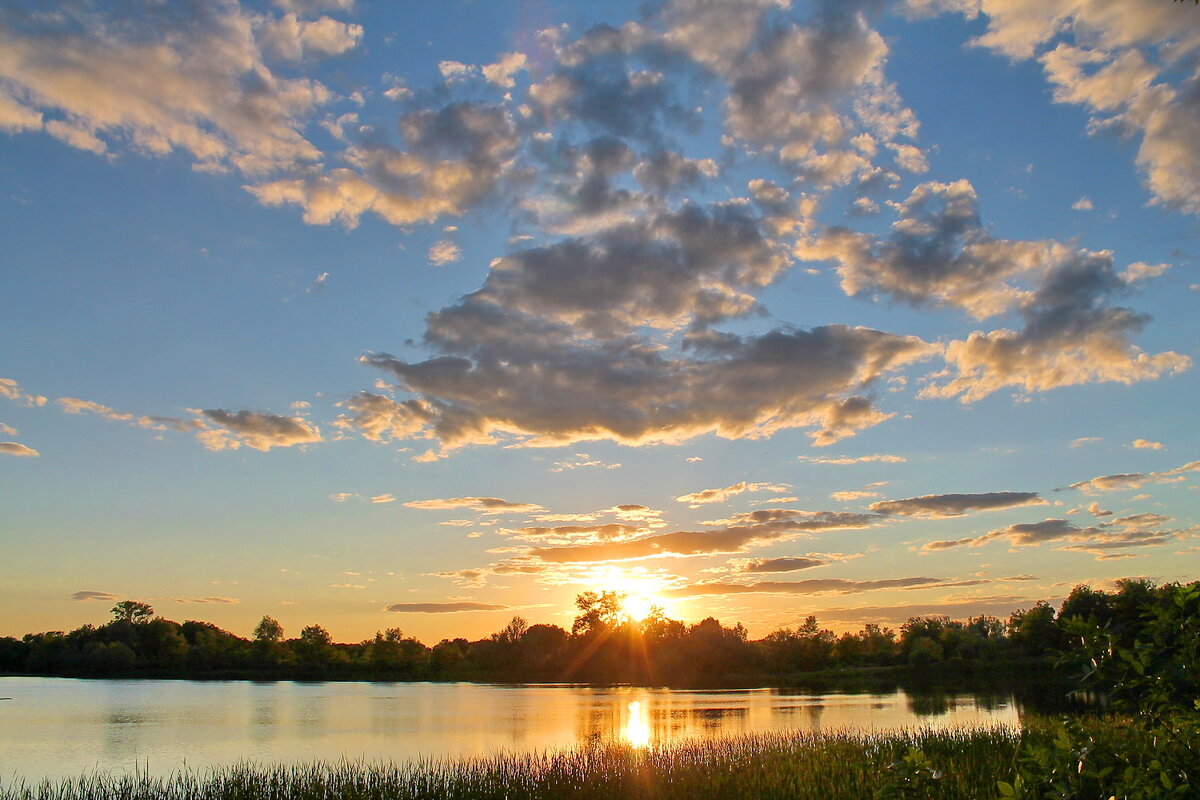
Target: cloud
{"points": [[940, 506], [802, 90], [444, 252], [383, 498], [88, 596], [205, 600], [318, 284], [752, 566], [814, 586], [379, 418], [443, 608], [660, 270], [501, 72], [748, 530], [704, 496], [1145, 444], [993, 605], [1101, 59], [947, 544], [193, 78], [1081, 441], [1029, 534], [259, 431], [1134, 480], [848, 496], [564, 534], [535, 382], [882, 458], [1138, 530], [456, 157], [486, 505], [939, 254], [18, 449], [292, 39], [1082, 204], [72, 405], [581, 461], [12, 390]]}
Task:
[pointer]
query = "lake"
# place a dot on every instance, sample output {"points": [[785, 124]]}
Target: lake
{"points": [[63, 727]]}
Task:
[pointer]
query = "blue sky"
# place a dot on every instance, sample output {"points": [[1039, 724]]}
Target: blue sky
{"points": [[429, 314]]}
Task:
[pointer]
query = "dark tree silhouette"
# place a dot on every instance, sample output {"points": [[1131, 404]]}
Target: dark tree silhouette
{"points": [[268, 629], [132, 611]]}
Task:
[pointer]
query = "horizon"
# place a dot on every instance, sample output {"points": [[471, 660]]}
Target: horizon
{"points": [[428, 316]]}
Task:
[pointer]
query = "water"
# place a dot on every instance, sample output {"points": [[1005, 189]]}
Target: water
{"points": [[61, 727]]}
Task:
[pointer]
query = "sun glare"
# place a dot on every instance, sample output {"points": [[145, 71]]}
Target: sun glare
{"points": [[637, 605], [639, 589]]}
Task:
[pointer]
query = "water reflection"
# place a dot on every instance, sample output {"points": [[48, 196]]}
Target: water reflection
{"points": [[636, 730], [61, 727]]}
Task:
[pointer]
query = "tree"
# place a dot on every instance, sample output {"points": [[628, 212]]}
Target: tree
{"points": [[268, 630], [598, 613], [132, 611], [513, 632], [1034, 629]]}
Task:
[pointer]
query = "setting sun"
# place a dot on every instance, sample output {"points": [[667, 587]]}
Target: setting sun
{"points": [[639, 590], [638, 606]]}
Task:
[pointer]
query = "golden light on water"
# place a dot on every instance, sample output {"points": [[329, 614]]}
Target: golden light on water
{"points": [[636, 730]]}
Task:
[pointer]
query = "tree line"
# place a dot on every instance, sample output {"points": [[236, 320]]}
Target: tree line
{"points": [[604, 644]]}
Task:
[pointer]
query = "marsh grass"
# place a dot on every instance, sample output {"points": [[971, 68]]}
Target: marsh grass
{"points": [[799, 766]]}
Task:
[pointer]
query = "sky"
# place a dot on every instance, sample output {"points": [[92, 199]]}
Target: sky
{"points": [[429, 314]]}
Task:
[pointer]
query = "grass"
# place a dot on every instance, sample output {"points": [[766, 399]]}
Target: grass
{"points": [[829, 766]]}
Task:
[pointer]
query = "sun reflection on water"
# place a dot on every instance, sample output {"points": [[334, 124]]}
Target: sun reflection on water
{"points": [[636, 730]]}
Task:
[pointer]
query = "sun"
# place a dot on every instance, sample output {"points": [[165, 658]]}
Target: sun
{"points": [[638, 590], [637, 605]]}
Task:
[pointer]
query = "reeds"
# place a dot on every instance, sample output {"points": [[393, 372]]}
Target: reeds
{"points": [[799, 766]]}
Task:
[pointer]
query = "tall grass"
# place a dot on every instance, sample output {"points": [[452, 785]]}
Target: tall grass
{"points": [[799, 766]]}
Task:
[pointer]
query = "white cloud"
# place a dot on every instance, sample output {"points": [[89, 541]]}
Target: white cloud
{"points": [[704, 496], [12, 390], [259, 431], [444, 252], [192, 78], [486, 505]]}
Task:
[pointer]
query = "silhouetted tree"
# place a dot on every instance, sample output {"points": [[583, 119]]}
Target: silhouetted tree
{"points": [[132, 611], [268, 629], [598, 613], [1033, 630]]}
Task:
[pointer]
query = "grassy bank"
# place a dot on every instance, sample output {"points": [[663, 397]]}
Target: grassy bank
{"points": [[1075, 757], [795, 767]]}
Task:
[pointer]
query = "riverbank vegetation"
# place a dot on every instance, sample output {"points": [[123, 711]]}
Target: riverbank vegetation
{"points": [[931, 765], [604, 645], [1145, 746], [795, 767]]}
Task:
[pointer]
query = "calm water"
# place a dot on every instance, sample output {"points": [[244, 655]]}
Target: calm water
{"points": [[58, 727]]}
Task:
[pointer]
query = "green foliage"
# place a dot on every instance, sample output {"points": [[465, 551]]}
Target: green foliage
{"points": [[268, 629], [1147, 669], [912, 777], [801, 766]]}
